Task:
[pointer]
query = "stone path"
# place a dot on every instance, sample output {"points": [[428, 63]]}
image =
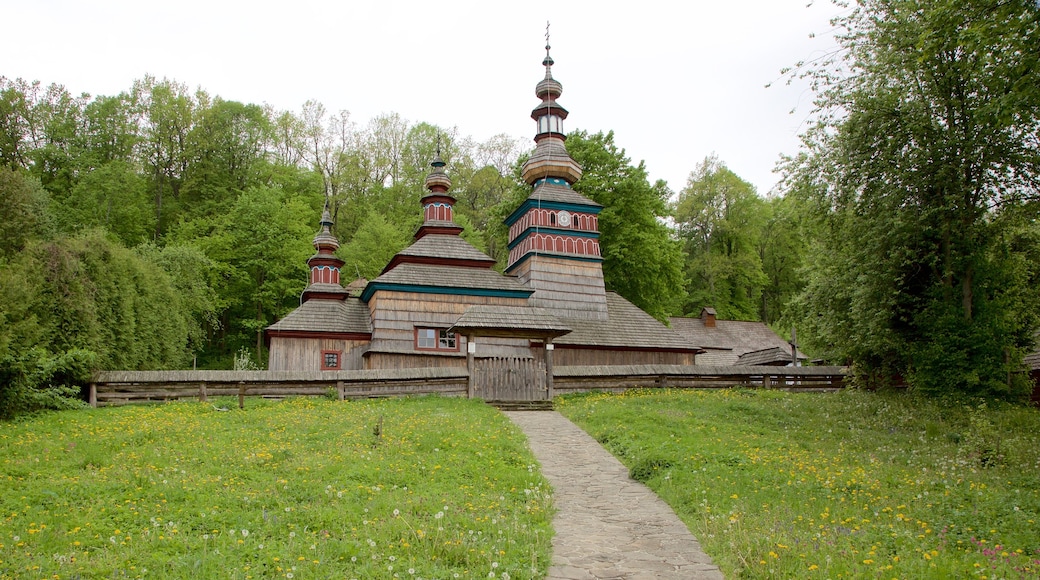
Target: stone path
{"points": [[608, 526]]}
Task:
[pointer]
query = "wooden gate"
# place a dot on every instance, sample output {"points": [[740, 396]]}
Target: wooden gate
{"points": [[509, 379]]}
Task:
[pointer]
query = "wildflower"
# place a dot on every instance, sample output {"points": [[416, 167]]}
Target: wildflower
{"points": [[245, 533]]}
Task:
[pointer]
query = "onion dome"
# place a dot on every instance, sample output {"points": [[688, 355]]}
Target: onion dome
{"points": [[548, 90], [550, 158], [325, 242], [325, 265], [438, 205], [438, 181]]}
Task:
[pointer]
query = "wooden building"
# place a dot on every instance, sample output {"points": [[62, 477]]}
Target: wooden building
{"points": [[735, 342], [439, 302]]}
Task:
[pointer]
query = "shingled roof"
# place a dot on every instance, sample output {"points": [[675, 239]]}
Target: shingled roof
{"points": [[548, 191], [626, 327], [768, 356], [444, 248], [325, 316], [446, 277], [511, 321], [729, 339]]}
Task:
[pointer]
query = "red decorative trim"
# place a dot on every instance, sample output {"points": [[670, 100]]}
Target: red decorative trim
{"points": [[325, 295], [443, 230], [542, 217], [325, 359], [434, 261]]}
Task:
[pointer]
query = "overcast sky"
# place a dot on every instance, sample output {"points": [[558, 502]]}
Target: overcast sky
{"points": [[676, 81]]}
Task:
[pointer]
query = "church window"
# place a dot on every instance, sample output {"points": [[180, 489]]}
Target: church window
{"points": [[435, 339], [330, 360]]}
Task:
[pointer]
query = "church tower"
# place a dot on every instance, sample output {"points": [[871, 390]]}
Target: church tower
{"points": [[554, 234], [325, 265]]}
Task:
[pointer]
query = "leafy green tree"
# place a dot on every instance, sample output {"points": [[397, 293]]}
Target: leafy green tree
{"points": [[372, 246], [113, 197], [15, 121], [783, 249], [642, 260], [24, 210], [169, 112], [262, 244], [227, 154], [721, 220], [58, 119], [922, 164], [195, 279]]}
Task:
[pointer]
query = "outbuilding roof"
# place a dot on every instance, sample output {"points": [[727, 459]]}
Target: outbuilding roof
{"points": [[729, 339]]}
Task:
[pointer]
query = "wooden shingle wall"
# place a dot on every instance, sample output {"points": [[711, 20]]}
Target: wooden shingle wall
{"points": [[570, 288], [304, 354], [395, 315]]}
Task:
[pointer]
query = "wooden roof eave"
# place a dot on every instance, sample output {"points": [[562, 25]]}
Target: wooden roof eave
{"points": [[526, 333]]}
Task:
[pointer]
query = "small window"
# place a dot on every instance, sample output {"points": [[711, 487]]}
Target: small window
{"points": [[435, 339], [330, 360]]}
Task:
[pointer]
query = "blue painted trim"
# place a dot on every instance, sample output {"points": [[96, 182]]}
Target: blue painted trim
{"points": [[373, 287], [551, 180], [534, 203], [548, 255], [554, 231]]}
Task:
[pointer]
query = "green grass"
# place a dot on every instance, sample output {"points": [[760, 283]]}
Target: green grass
{"points": [[849, 485], [297, 489]]}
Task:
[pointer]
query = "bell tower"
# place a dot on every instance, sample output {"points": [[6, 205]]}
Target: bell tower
{"points": [[554, 234]]}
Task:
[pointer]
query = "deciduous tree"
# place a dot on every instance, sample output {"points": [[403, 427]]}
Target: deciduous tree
{"points": [[925, 154]]}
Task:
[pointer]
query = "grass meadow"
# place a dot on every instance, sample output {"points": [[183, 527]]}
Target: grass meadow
{"points": [[847, 485], [302, 488]]}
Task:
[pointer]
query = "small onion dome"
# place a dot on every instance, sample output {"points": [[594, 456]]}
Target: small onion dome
{"points": [[325, 240], [437, 181], [548, 88]]}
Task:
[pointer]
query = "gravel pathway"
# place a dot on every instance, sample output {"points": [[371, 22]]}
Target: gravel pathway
{"points": [[608, 526]]}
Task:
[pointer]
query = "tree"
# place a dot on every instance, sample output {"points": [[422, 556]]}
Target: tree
{"points": [[372, 247], [923, 164], [262, 244], [642, 260], [115, 198], [721, 220], [24, 211], [169, 115]]}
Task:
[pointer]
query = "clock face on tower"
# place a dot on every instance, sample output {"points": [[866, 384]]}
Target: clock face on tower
{"points": [[563, 217]]}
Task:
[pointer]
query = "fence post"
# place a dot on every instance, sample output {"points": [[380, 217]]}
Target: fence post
{"points": [[92, 396], [339, 389], [766, 382], [241, 395], [202, 392]]}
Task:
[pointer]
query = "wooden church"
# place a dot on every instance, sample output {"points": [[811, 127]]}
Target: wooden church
{"points": [[439, 302]]}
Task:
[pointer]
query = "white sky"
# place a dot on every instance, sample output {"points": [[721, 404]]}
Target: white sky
{"points": [[676, 81]]}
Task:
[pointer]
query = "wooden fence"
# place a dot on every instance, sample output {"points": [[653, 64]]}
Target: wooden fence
{"points": [[130, 387]]}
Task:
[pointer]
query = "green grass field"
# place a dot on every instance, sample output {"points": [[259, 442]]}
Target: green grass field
{"points": [[848, 485], [303, 488]]}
